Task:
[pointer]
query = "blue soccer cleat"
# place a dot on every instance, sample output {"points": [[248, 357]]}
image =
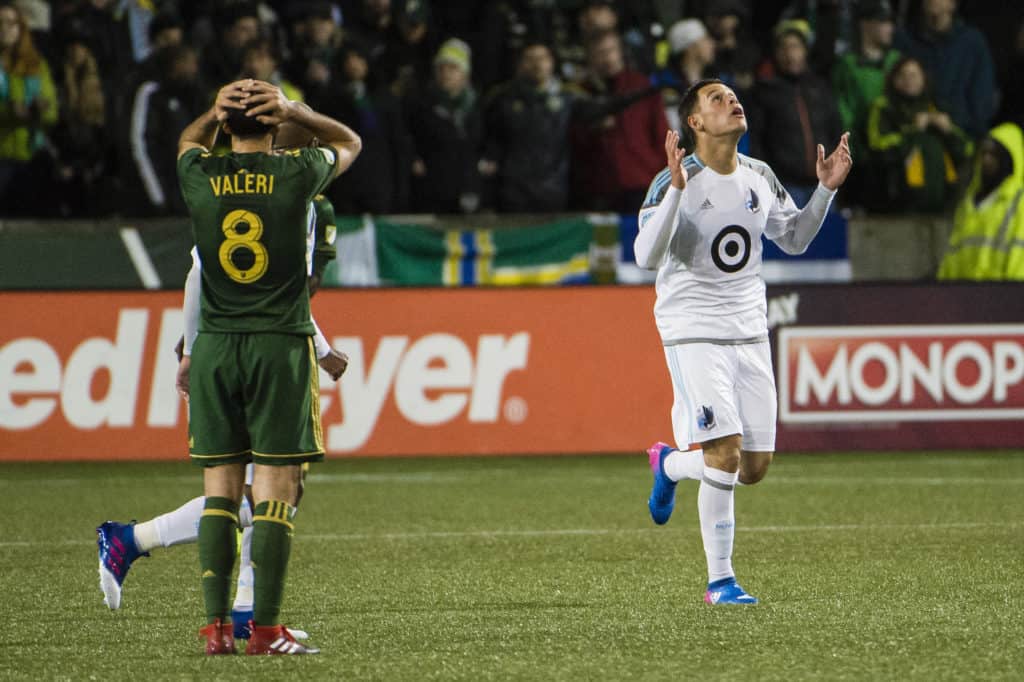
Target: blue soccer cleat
{"points": [[727, 591], [117, 550], [240, 623], [663, 492]]}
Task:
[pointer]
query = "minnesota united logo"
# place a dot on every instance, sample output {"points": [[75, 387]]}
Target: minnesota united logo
{"points": [[753, 203], [706, 418]]}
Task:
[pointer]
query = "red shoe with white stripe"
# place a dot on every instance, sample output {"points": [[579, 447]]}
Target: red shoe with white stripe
{"points": [[274, 640], [220, 640]]}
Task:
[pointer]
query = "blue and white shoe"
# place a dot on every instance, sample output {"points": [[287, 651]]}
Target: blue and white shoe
{"points": [[240, 623], [116, 542], [727, 591], [663, 492]]}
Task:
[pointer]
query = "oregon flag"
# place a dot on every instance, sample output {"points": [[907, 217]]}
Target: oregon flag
{"points": [[552, 253]]}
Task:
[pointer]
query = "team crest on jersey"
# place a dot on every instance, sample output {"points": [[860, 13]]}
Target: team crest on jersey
{"points": [[706, 418], [753, 203]]}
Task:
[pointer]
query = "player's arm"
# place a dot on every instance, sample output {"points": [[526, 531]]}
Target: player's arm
{"points": [[333, 362], [190, 312], [658, 222], [201, 133], [269, 105], [793, 230]]}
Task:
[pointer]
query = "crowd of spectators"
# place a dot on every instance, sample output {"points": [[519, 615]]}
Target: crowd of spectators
{"points": [[508, 105]]}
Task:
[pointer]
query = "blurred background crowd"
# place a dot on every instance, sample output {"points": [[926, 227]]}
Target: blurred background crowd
{"points": [[514, 105]]}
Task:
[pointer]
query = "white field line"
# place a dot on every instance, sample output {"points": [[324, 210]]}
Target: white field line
{"points": [[579, 532], [140, 258]]}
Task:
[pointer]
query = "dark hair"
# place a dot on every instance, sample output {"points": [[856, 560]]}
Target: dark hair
{"points": [[262, 45], [246, 127], [231, 14], [163, 22], [890, 78], [598, 37], [530, 43], [688, 137]]}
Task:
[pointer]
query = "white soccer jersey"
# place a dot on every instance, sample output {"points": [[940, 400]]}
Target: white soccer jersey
{"points": [[709, 284]]}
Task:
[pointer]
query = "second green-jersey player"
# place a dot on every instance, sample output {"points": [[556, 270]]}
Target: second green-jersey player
{"points": [[250, 221]]}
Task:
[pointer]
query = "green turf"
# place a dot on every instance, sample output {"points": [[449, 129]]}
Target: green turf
{"points": [[868, 567]]}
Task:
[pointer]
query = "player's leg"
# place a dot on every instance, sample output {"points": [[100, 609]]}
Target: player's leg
{"points": [[758, 402], [709, 372], [218, 441], [284, 423], [671, 465], [218, 526], [241, 608]]}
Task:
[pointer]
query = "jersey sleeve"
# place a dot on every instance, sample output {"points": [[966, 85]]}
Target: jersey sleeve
{"points": [[326, 233], [781, 208], [191, 175], [320, 164]]}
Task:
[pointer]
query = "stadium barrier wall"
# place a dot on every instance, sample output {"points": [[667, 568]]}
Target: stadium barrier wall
{"points": [[410, 250], [90, 375]]}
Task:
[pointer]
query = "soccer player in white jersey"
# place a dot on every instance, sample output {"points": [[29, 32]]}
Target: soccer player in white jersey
{"points": [[700, 228]]}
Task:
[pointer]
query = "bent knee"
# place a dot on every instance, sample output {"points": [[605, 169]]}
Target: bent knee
{"points": [[754, 467]]}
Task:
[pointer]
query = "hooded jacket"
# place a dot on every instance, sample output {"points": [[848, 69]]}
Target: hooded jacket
{"points": [[988, 231], [961, 69], [919, 167]]}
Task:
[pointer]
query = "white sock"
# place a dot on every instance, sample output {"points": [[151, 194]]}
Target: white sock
{"points": [[717, 520], [688, 464], [245, 513], [244, 591], [173, 528]]}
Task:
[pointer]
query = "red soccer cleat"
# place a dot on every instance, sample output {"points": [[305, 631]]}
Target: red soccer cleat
{"points": [[274, 640], [220, 640]]}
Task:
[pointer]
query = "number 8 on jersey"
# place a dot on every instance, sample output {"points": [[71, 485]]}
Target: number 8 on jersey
{"points": [[243, 257]]}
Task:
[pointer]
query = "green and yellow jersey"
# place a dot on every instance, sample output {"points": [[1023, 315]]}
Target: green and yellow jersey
{"points": [[250, 222], [325, 233]]}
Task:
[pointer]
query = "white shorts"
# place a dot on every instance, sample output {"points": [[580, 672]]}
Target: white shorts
{"points": [[722, 390]]}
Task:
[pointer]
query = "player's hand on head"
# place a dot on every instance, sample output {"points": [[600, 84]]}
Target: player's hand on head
{"points": [[267, 103], [833, 169], [181, 382], [230, 97], [334, 363], [674, 156]]}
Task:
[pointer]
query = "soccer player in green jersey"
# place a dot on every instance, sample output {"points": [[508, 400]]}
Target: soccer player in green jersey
{"points": [[252, 374], [121, 544]]}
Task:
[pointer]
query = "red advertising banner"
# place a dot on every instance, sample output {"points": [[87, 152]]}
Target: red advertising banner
{"points": [[90, 376], [477, 371]]}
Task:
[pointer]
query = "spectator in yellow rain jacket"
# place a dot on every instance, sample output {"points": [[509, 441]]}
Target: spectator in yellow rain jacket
{"points": [[28, 104], [988, 231]]}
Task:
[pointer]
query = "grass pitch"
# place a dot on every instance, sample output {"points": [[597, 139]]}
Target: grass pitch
{"points": [[868, 567]]}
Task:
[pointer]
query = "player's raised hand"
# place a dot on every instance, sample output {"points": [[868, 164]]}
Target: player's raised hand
{"points": [[267, 103], [334, 363], [229, 97], [675, 155], [832, 171]]}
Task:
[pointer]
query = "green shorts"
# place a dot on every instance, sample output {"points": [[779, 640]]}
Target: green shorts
{"points": [[254, 397]]}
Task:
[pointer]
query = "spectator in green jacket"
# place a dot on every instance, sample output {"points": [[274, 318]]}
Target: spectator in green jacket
{"points": [[988, 230], [28, 102], [917, 146], [858, 79]]}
